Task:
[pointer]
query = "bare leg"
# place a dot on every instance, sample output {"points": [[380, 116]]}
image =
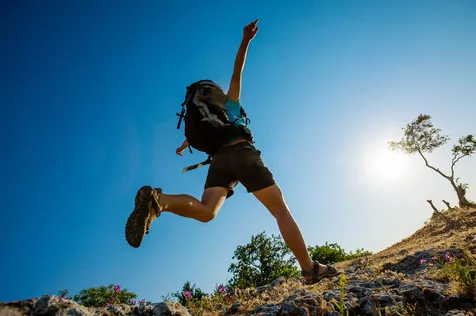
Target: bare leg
{"points": [[272, 198], [188, 206]]}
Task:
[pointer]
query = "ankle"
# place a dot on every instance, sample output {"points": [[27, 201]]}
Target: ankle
{"points": [[161, 198]]}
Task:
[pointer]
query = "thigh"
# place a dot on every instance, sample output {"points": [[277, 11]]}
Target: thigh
{"points": [[219, 175]]}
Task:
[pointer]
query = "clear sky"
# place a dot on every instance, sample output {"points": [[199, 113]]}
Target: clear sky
{"points": [[89, 92]]}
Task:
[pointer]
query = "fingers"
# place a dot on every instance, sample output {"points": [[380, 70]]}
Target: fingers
{"points": [[252, 25]]}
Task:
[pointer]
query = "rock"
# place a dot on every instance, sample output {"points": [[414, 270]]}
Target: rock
{"points": [[267, 310], [277, 281], [234, 308], [329, 295], [53, 305], [291, 309], [412, 264], [367, 307], [170, 309], [262, 289], [359, 291]]}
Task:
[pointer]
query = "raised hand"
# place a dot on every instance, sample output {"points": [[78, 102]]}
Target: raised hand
{"points": [[249, 31]]}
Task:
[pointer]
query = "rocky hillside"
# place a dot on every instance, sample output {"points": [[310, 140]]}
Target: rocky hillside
{"points": [[432, 272]]}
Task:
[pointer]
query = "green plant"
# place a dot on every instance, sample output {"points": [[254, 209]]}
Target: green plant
{"points": [[261, 261], [341, 305], [332, 253], [462, 271], [105, 296], [63, 293], [188, 295]]}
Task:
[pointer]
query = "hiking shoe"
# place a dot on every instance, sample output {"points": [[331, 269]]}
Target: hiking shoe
{"points": [[138, 223], [329, 272]]}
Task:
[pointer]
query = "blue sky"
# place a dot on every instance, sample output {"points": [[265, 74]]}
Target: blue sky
{"points": [[89, 92]]}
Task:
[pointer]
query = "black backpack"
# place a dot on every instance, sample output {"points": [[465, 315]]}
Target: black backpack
{"points": [[207, 127]]}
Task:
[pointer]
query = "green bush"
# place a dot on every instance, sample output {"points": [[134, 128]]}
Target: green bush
{"points": [[332, 253], [261, 261], [189, 293], [104, 296], [462, 271]]}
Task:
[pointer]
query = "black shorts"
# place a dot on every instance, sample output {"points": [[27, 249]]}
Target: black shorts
{"points": [[242, 163]]}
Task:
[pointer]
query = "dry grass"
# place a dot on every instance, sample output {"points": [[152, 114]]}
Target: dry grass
{"points": [[454, 228]]}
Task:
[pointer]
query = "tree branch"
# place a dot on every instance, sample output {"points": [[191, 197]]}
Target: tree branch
{"points": [[431, 167], [432, 206], [447, 204], [453, 163]]}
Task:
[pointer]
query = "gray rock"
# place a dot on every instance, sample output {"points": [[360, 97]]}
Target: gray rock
{"points": [[263, 289], [267, 310], [359, 291], [291, 309], [170, 309], [329, 295], [234, 308], [53, 305], [412, 264], [277, 281], [367, 307]]}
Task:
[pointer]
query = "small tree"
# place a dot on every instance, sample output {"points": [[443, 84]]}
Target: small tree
{"points": [[262, 261], [420, 136], [104, 296]]}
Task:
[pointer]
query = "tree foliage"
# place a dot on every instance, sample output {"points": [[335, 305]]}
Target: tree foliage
{"points": [[261, 261], [332, 253], [421, 137], [102, 296]]}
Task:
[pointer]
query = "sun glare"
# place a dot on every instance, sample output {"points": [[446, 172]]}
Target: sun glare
{"points": [[386, 164]]}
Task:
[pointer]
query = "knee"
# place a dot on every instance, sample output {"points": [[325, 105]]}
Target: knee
{"points": [[207, 217]]}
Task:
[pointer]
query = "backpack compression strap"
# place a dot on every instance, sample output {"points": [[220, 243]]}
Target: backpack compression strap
{"points": [[203, 163]]}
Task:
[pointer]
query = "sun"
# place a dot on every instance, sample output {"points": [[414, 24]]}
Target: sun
{"points": [[386, 164]]}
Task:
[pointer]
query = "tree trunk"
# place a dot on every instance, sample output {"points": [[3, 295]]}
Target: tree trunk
{"points": [[432, 206], [462, 201]]}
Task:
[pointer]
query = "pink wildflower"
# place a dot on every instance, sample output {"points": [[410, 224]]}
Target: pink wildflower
{"points": [[132, 302], [221, 289], [187, 295], [422, 261], [108, 305], [117, 288]]}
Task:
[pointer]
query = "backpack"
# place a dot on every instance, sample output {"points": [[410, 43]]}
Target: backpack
{"points": [[207, 126]]}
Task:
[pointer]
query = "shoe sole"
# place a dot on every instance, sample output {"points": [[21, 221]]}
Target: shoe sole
{"points": [[136, 225]]}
